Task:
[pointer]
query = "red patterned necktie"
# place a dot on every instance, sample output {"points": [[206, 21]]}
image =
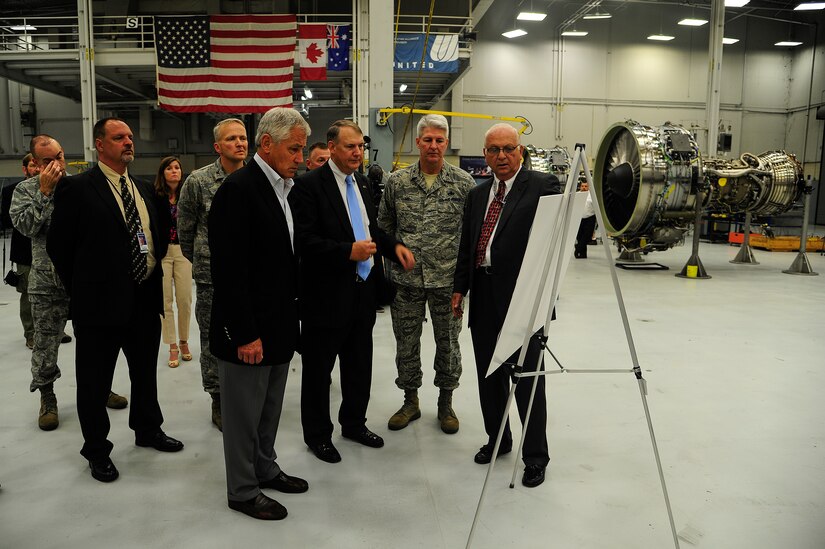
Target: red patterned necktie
{"points": [[490, 223]]}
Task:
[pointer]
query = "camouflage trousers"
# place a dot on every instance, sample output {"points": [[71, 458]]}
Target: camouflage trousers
{"points": [[408, 312], [49, 313], [203, 314]]}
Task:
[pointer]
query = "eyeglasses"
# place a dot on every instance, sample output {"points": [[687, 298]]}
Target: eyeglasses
{"points": [[508, 150]]}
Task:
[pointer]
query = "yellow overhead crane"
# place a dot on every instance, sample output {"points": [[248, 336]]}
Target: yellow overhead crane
{"points": [[385, 114]]}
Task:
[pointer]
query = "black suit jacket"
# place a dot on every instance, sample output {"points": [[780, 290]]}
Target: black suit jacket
{"points": [[254, 270], [509, 241], [325, 237], [88, 242]]}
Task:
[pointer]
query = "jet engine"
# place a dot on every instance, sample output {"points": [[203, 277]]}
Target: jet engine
{"points": [[648, 181]]}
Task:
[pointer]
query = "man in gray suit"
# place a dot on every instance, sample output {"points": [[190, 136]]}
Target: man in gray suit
{"points": [[254, 325]]}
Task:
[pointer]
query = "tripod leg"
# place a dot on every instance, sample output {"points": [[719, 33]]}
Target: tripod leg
{"points": [[658, 463], [492, 462]]}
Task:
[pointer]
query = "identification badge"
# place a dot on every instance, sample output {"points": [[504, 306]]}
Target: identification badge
{"points": [[142, 243]]}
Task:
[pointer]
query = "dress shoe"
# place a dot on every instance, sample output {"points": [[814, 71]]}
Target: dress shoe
{"points": [[365, 437], [485, 453], [260, 507], [116, 402], [103, 470], [325, 451], [286, 484], [533, 475], [159, 441]]}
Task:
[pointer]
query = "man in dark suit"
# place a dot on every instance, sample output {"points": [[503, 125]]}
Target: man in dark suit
{"points": [[106, 241], [338, 237], [254, 325], [498, 215]]}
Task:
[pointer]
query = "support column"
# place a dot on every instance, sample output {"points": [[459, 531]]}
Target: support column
{"points": [[87, 77], [714, 96], [374, 74]]}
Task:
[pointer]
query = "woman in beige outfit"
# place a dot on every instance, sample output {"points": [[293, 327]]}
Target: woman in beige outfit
{"points": [[177, 270]]}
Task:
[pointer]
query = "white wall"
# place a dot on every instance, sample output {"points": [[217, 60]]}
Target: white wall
{"points": [[615, 73]]}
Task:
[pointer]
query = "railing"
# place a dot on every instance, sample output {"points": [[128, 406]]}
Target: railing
{"points": [[138, 31], [130, 31], [38, 34]]}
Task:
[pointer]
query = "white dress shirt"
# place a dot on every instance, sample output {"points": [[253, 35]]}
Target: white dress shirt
{"points": [[341, 179], [282, 187]]}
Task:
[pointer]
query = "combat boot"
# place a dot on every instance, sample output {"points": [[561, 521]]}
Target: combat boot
{"points": [[446, 415], [216, 411], [407, 413], [47, 420]]}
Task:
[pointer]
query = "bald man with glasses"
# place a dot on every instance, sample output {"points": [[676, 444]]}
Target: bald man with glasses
{"points": [[498, 215]]}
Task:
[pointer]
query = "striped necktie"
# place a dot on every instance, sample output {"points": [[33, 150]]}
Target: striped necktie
{"points": [[138, 266]]}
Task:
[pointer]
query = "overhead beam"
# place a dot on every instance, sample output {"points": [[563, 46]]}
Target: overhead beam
{"points": [[37, 83]]}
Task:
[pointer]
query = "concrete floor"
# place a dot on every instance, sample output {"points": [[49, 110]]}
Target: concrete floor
{"points": [[735, 367]]}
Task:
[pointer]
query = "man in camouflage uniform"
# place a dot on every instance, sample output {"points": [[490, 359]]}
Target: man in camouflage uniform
{"points": [[422, 207], [193, 214], [31, 210]]}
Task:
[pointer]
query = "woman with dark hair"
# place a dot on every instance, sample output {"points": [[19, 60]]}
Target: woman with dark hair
{"points": [[177, 270]]}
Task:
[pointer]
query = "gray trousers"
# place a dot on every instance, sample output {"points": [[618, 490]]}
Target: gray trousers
{"points": [[251, 401]]}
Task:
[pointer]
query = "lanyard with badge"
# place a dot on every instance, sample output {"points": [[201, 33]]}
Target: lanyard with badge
{"points": [[143, 243]]}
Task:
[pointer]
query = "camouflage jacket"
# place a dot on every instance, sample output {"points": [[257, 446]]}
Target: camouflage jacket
{"points": [[193, 213], [31, 214], [427, 221]]}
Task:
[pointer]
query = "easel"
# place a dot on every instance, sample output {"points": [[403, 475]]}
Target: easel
{"points": [[562, 227]]}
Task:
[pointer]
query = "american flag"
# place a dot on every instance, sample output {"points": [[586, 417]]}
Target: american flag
{"points": [[225, 63], [338, 41]]}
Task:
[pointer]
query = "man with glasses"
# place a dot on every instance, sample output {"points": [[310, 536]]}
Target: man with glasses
{"points": [[498, 215]]}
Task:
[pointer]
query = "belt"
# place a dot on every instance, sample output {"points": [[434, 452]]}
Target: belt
{"points": [[487, 270]]}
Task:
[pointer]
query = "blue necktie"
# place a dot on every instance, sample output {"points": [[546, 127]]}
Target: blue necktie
{"points": [[357, 224]]}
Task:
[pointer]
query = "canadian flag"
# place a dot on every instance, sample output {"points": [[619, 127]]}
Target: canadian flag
{"points": [[312, 51]]}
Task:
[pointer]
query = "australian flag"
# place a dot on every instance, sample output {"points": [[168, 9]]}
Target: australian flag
{"points": [[338, 42]]}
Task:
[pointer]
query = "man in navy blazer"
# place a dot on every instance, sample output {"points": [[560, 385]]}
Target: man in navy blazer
{"points": [[340, 245], [113, 306], [498, 215], [254, 326]]}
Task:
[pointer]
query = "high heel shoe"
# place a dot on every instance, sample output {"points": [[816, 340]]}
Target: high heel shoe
{"points": [[173, 362], [184, 351]]}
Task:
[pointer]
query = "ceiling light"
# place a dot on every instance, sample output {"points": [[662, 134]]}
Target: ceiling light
{"points": [[308, 93], [596, 15], [735, 3], [803, 6], [402, 88], [574, 33], [531, 16], [515, 33], [23, 28], [730, 40], [688, 22], [788, 43], [661, 37]]}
